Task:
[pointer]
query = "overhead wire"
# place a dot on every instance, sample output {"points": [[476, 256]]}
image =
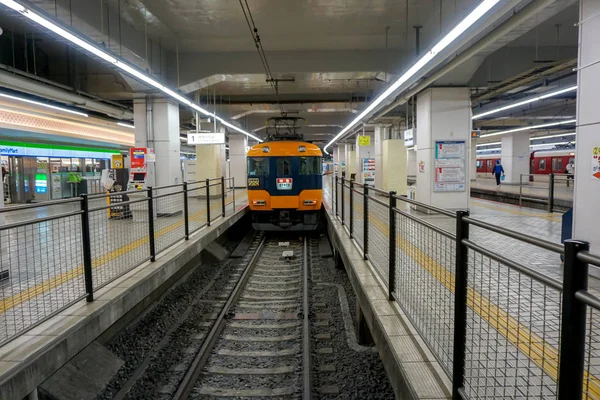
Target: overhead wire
{"points": [[261, 52]]}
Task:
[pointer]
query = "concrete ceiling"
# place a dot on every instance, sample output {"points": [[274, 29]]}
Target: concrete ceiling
{"points": [[339, 52]]}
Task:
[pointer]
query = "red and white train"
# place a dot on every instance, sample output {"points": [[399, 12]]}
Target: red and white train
{"points": [[540, 162]]}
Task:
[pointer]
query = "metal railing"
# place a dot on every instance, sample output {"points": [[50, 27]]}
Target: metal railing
{"points": [[498, 326], [59, 252], [547, 193]]}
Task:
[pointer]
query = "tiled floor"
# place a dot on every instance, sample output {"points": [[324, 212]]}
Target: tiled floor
{"points": [[45, 259], [513, 321], [531, 189]]}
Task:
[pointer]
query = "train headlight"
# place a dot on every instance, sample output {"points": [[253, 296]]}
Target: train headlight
{"points": [[259, 203], [310, 202]]}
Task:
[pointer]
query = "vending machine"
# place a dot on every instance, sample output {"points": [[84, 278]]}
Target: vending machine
{"points": [[368, 171]]}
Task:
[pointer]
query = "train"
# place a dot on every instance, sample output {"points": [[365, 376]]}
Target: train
{"points": [[540, 162], [285, 187]]}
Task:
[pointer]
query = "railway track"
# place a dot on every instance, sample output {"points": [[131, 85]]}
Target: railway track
{"points": [[259, 344]]}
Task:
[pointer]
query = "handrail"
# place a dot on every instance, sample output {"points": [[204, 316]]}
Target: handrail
{"points": [[431, 226], [39, 220], [590, 258], [426, 206], [37, 205]]}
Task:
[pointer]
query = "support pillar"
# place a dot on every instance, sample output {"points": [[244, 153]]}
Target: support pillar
{"points": [[379, 136], [350, 161], [515, 156], [363, 152], [340, 159], [411, 164], [587, 166], [210, 163], [393, 166], [157, 126], [443, 115], [237, 159], [473, 161]]}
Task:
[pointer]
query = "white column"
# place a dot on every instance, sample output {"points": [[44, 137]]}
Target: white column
{"points": [[363, 152], [443, 115], [379, 136], [473, 161], [587, 185], [162, 135], [411, 163], [393, 166], [237, 158], [210, 163], [350, 160], [515, 156], [340, 159]]}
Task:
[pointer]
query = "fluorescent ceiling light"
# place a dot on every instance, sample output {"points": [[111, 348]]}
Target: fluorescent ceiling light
{"points": [[458, 30], [521, 103], [98, 52], [37, 103], [487, 144], [551, 136], [126, 125], [526, 128]]}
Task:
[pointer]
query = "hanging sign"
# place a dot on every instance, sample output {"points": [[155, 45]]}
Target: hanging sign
{"points": [[596, 162], [409, 139], [206, 138], [364, 141]]}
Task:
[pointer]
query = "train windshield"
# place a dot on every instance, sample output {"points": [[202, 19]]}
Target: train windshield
{"points": [[310, 165], [258, 166], [284, 166]]}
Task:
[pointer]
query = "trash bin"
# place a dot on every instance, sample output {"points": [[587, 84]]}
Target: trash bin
{"points": [[566, 231]]}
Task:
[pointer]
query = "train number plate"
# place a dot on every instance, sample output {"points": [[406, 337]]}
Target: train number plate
{"points": [[284, 183], [253, 181]]}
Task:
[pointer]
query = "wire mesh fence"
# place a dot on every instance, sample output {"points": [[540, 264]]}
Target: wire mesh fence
{"points": [[69, 248], [499, 326], [40, 269], [357, 216]]}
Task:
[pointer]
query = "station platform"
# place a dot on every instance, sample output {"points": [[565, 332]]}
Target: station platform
{"points": [[44, 318], [513, 296]]}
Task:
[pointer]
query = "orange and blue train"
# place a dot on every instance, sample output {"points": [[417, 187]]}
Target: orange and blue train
{"points": [[285, 187]]}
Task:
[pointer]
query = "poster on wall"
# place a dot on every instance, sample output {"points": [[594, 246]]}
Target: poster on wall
{"points": [[450, 166], [137, 156], [596, 162], [369, 171]]}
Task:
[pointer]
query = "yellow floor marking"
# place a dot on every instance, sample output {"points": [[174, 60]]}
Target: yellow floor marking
{"points": [[542, 353], [57, 280]]}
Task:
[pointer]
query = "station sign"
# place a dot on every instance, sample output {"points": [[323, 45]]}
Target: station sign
{"points": [[409, 138], [23, 151], [206, 138], [116, 161]]}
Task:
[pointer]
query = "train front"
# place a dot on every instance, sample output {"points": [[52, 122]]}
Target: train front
{"points": [[285, 185]]}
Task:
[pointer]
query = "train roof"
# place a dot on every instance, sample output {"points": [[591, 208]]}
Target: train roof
{"points": [[284, 148]]}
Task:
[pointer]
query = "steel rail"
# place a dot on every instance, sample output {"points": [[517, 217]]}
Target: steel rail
{"points": [[306, 337], [191, 377]]}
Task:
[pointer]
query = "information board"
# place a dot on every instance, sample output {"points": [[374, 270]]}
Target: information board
{"points": [[450, 166]]}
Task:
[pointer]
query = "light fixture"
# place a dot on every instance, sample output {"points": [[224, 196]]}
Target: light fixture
{"points": [[458, 30], [526, 128], [37, 103], [552, 136], [521, 103], [102, 54], [126, 125], [487, 144]]}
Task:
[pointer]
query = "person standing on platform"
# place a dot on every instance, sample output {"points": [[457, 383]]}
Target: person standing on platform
{"points": [[570, 171], [498, 172]]}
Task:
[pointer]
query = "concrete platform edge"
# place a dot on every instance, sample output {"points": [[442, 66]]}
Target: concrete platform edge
{"points": [[33, 357], [410, 379]]}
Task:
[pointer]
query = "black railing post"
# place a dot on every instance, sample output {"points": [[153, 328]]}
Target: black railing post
{"points": [[86, 240], [572, 341], [351, 205], [223, 195], [233, 191], [186, 211], [342, 193], [460, 304], [392, 247], [151, 224], [366, 222], [335, 202], [551, 193], [207, 202]]}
